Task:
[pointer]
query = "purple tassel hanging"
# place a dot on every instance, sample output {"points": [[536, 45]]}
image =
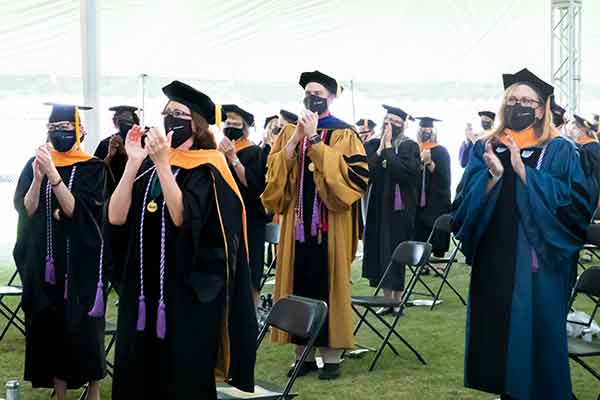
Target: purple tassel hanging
{"points": [[299, 234], [50, 272], [66, 294], [535, 265], [141, 322], [315, 219], [398, 203], [98, 309], [423, 201], [161, 321]]}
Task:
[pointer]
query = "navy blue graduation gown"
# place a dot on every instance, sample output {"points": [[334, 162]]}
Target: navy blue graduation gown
{"points": [[522, 241]]}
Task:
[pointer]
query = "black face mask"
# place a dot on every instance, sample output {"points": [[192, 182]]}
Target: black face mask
{"points": [[62, 141], [486, 125], [315, 103], [182, 130], [519, 117], [397, 130], [425, 136], [233, 133], [124, 127]]}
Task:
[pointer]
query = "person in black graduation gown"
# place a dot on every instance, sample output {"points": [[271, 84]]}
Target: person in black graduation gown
{"points": [[434, 196], [247, 162], [366, 132], [583, 132], [185, 312], [59, 255], [112, 148], [393, 186], [112, 151]]}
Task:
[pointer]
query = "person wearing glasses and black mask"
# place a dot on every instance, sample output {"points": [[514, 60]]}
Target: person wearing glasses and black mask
{"points": [[392, 205], [521, 217], [186, 313], [59, 253], [247, 162]]}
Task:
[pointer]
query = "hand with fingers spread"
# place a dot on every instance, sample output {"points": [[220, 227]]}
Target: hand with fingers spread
{"points": [[516, 160], [158, 146], [133, 146], [493, 162]]}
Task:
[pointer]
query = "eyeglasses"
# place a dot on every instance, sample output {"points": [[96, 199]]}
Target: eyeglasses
{"points": [[524, 101], [61, 126], [177, 114]]}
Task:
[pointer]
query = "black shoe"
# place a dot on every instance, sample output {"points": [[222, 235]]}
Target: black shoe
{"points": [[306, 368], [330, 371]]}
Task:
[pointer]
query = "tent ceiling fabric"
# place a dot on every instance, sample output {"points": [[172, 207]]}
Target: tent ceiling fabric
{"points": [[272, 40]]}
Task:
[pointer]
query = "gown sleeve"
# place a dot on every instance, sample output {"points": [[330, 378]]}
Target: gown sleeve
{"points": [[281, 175], [555, 206], [464, 153], [255, 168], [442, 170], [472, 208], [341, 171], [406, 165]]}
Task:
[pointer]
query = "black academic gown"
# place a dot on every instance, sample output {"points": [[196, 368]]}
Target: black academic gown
{"points": [[371, 147], [590, 162], [390, 219], [254, 161], [206, 283], [117, 163], [62, 341], [436, 195]]}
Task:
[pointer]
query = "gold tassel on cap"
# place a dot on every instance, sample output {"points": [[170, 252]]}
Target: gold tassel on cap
{"points": [[218, 115]]}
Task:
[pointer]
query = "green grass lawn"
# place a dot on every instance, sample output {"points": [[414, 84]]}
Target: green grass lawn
{"points": [[438, 335]]}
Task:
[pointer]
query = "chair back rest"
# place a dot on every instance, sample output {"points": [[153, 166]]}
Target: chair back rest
{"points": [[298, 316], [272, 233], [589, 282], [443, 223], [411, 253]]}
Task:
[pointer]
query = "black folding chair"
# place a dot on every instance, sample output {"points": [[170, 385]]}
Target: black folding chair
{"points": [[588, 284], [110, 331], [414, 256], [11, 314], [592, 245], [444, 224], [272, 235], [298, 316]]}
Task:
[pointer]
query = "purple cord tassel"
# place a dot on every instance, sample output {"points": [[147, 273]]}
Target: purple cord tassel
{"points": [[161, 321], [398, 204], [98, 309], [66, 294], [300, 232], [314, 222], [535, 265], [141, 322], [423, 202], [50, 272]]}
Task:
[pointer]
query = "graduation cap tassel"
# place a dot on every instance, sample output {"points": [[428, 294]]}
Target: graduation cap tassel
{"points": [[398, 204]]}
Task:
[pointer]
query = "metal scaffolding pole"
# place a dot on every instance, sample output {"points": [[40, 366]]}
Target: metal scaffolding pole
{"points": [[90, 65], [566, 52]]}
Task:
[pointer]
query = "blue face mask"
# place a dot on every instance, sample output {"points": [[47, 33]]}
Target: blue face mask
{"points": [[62, 140]]}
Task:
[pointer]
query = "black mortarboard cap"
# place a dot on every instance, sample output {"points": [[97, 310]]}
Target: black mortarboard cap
{"points": [[64, 112], [192, 98], [397, 111], [330, 83], [123, 108], [370, 124], [269, 119], [582, 121], [528, 77], [233, 108], [489, 114], [289, 116], [427, 122]]}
